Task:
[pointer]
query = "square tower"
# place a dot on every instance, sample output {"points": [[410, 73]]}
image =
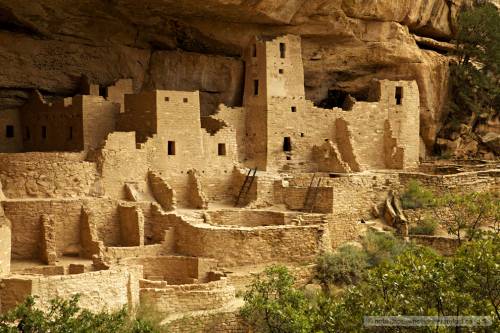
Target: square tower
{"points": [[274, 69]]}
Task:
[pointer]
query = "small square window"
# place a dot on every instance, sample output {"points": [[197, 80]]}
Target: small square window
{"points": [[281, 70], [171, 148], [294, 109], [221, 149], [167, 99], [185, 100], [9, 131], [289, 158], [301, 135]]}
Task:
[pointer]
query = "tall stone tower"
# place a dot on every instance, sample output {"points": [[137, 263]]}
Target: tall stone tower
{"points": [[274, 83]]}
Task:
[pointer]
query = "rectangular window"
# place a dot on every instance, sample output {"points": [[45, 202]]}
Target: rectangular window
{"points": [[281, 71], [399, 95], [27, 133], [103, 92], [44, 132], [287, 144], [171, 147], [256, 87], [221, 149], [254, 50], [282, 50], [9, 131], [70, 133], [294, 109]]}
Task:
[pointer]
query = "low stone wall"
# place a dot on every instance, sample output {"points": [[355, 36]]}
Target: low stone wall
{"points": [[174, 269], [220, 322], [109, 289], [118, 253], [47, 175], [473, 181], [444, 245], [294, 198], [186, 298], [246, 246], [245, 218], [342, 231]]}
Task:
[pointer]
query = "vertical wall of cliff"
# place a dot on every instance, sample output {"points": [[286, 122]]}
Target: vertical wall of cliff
{"points": [[188, 44]]}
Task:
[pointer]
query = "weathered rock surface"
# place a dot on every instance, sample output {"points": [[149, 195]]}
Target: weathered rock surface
{"points": [[185, 44]]}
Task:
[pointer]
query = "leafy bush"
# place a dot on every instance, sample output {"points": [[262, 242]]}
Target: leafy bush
{"points": [[417, 196], [418, 282], [273, 305], [382, 247], [425, 226], [467, 215], [344, 267], [67, 316]]}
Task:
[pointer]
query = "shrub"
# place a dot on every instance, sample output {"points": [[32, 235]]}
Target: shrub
{"points": [[417, 196], [66, 316], [272, 304], [344, 267], [426, 226], [382, 247], [470, 214]]}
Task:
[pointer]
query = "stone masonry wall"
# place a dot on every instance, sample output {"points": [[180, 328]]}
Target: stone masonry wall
{"points": [[5, 243], [221, 322], [245, 218], [25, 216], [108, 289], [53, 175], [246, 246], [15, 143], [184, 299], [174, 269]]}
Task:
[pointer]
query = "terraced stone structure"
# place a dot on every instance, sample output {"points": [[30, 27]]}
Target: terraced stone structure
{"points": [[141, 198]]}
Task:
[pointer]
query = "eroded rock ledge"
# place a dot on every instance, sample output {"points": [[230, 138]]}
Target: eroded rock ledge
{"points": [[186, 44]]}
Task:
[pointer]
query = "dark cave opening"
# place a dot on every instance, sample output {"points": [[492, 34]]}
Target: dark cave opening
{"points": [[337, 98]]}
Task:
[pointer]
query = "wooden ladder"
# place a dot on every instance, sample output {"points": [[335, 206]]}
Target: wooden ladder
{"points": [[247, 184], [311, 195]]}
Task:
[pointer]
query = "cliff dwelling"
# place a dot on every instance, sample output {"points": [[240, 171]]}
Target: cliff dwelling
{"points": [[125, 195]]}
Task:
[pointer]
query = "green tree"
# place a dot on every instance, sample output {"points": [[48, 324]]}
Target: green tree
{"points": [[475, 80], [468, 214], [273, 304]]}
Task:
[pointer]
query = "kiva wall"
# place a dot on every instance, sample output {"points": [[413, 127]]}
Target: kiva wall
{"points": [[246, 246]]}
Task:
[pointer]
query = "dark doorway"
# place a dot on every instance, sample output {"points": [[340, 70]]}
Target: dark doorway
{"points": [[171, 148], [221, 149], [282, 50], [9, 131], [256, 87], [44, 132], [287, 144], [399, 95]]}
